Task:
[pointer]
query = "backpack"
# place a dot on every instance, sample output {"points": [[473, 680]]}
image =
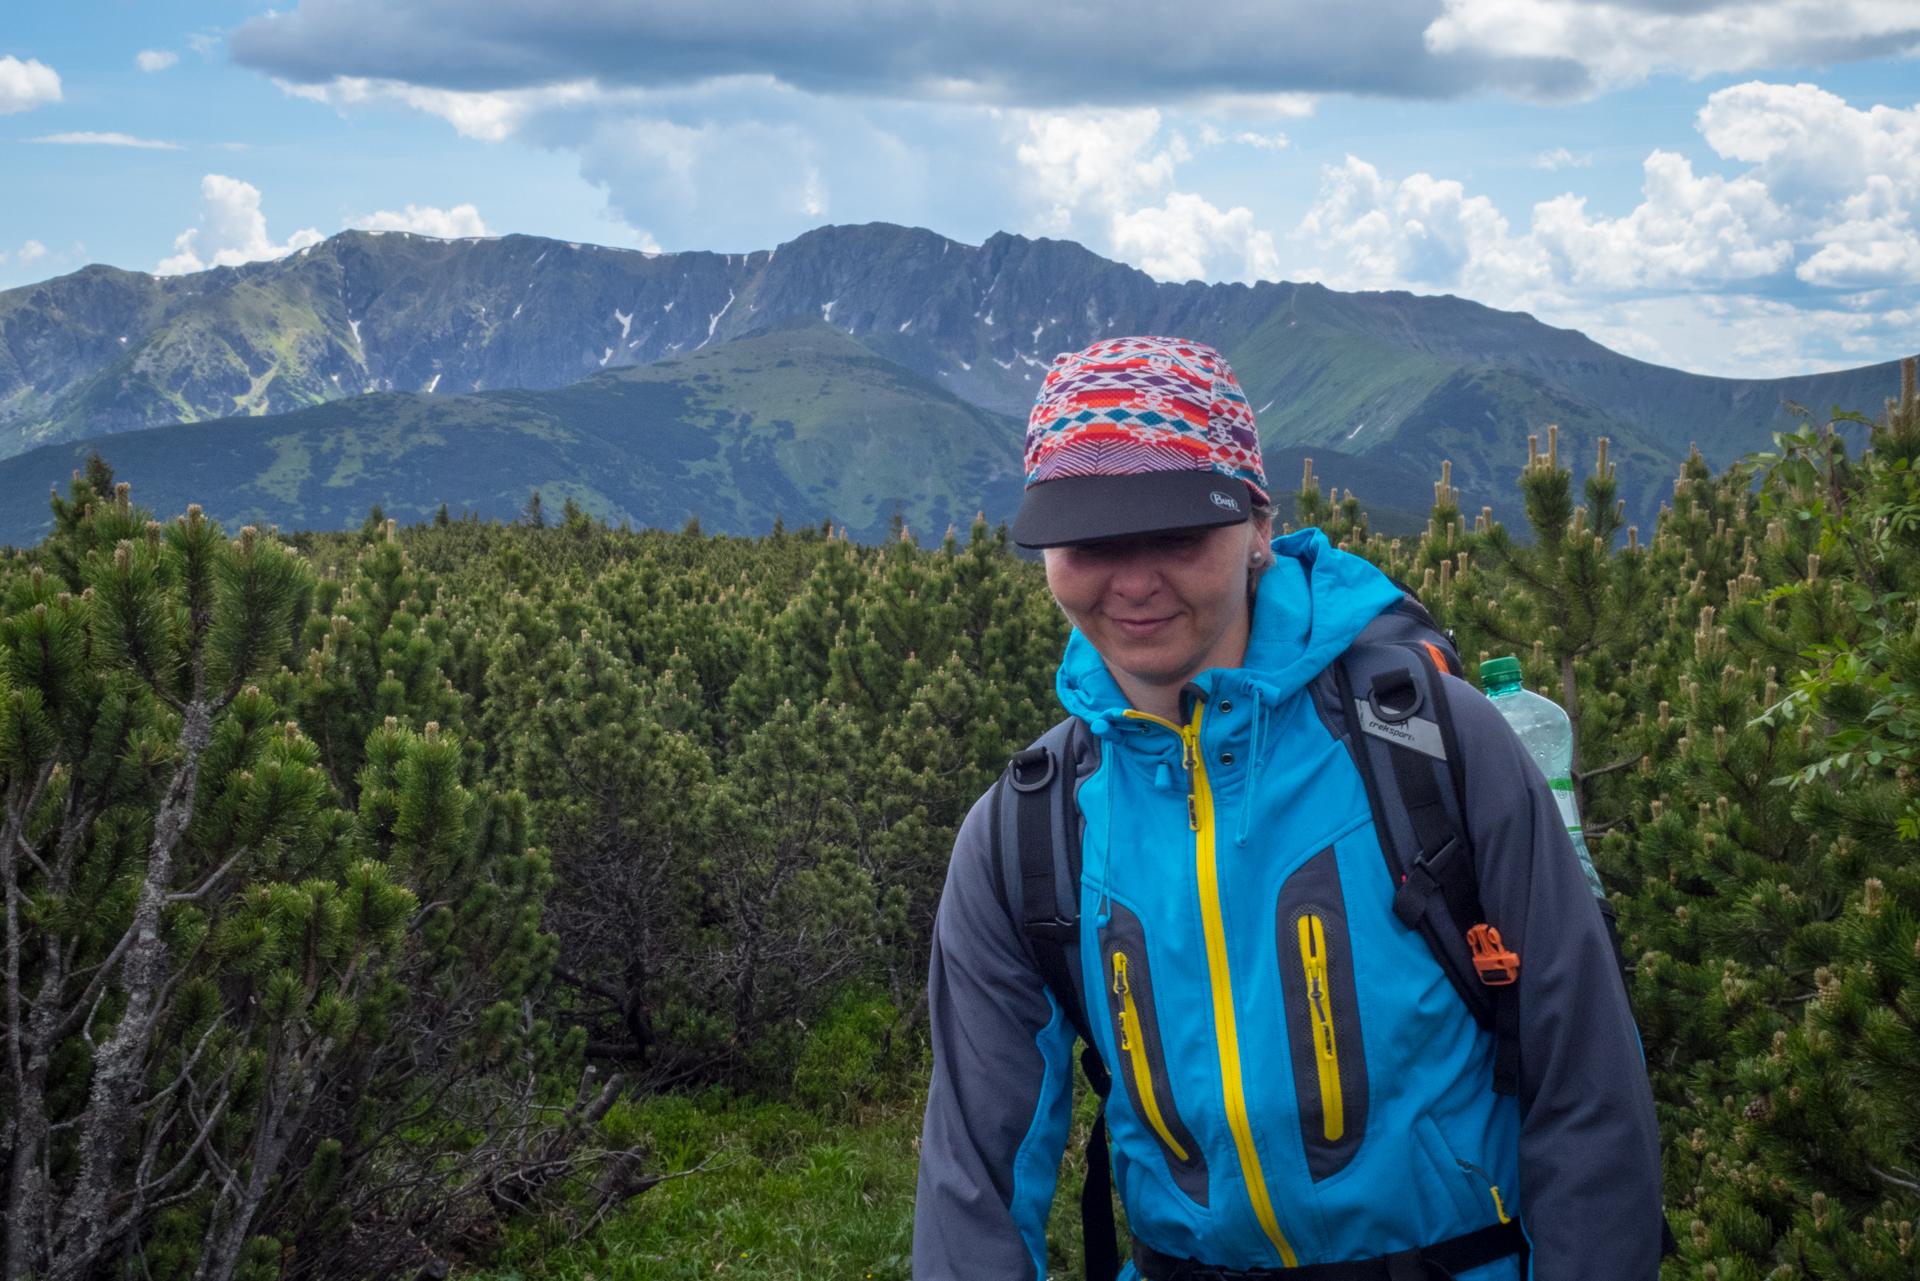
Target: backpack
{"points": [[1387, 689]]}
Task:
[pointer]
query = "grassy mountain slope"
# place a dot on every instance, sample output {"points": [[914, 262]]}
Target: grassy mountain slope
{"points": [[104, 351], [799, 420]]}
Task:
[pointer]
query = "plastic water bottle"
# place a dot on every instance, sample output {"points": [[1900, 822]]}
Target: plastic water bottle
{"points": [[1548, 736]]}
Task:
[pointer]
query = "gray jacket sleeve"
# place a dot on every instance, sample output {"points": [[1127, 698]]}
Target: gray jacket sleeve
{"points": [[1001, 1099], [1590, 1187]]}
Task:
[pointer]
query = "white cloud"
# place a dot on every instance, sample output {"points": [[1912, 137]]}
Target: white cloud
{"points": [[1420, 230], [1625, 42], [26, 85], [1689, 232], [1186, 236], [1091, 171], [1274, 142], [155, 59], [1095, 162], [32, 251], [488, 117], [1259, 106], [232, 231], [1561, 158], [1849, 179], [203, 45], [447, 224], [89, 139], [1742, 335], [1808, 259], [1831, 201]]}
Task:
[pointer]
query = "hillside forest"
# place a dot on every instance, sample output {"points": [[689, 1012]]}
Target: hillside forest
{"points": [[539, 899]]}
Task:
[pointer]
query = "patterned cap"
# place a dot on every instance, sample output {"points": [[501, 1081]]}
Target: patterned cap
{"points": [[1135, 408]]}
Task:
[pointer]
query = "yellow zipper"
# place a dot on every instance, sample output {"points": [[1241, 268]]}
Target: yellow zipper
{"points": [[1326, 1052], [1133, 1040], [1225, 1027]]}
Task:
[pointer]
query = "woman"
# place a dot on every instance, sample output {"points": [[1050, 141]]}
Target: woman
{"points": [[1236, 923]]}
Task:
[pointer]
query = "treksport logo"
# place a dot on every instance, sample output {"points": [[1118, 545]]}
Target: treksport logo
{"points": [[1221, 500], [1422, 736]]}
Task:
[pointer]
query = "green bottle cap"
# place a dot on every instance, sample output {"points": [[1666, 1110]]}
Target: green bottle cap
{"points": [[1500, 671]]}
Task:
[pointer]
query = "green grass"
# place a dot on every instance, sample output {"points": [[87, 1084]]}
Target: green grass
{"points": [[785, 1192]]}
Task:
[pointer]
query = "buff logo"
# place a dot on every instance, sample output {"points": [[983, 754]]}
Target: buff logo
{"points": [[1221, 500]]}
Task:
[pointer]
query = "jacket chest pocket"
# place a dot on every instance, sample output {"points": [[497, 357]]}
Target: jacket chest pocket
{"points": [[1322, 1015], [1142, 1057]]}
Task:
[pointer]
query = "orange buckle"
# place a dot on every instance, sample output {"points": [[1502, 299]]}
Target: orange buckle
{"points": [[1498, 967]]}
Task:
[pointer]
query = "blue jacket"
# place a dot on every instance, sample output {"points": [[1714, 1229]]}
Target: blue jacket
{"points": [[1296, 1080]]}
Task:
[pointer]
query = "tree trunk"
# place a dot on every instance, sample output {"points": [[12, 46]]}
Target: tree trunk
{"points": [[120, 1070], [28, 1210], [226, 1242]]}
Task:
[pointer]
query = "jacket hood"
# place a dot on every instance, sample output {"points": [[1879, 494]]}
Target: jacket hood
{"points": [[1309, 608]]}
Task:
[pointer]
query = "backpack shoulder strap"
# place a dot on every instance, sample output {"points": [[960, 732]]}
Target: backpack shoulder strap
{"points": [[1036, 835], [1037, 848], [1400, 730]]}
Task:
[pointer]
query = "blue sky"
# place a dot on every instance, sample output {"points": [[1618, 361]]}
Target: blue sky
{"points": [[1729, 186]]}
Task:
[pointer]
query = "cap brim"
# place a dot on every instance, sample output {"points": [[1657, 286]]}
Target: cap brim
{"points": [[1084, 509]]}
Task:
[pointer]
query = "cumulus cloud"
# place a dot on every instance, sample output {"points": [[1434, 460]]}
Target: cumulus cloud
{"points": [[1095, 162], [1092, 174], [26, 85], [1186, 238], [1830, 202], [1418, 230], [32, 251], [1809, 258], [232, 230], [1849, 180], [90, 139], [447, 224], [155, 59]]}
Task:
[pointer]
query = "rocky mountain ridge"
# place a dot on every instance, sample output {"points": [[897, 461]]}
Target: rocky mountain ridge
{"points": [[1409, 378]]}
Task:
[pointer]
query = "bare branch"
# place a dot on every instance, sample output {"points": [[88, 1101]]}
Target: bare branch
{"points": [[213, 879], [1878, 1173], [1620, 764]]}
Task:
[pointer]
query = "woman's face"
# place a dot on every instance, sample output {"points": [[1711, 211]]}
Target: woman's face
{"points": [[1161, 607]]}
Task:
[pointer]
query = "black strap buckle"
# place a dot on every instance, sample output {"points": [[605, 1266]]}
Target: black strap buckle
{"points": [[1395, 696], [1031, 770], [1427, 876]]}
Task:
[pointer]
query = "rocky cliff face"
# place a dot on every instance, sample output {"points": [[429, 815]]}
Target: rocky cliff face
{"points": [[1411, 378]]}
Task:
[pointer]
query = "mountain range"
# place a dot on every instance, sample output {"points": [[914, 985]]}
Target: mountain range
{"points": [[418, 338]]}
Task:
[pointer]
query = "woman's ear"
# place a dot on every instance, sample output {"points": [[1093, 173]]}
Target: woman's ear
{"points": [[1259, 538]]}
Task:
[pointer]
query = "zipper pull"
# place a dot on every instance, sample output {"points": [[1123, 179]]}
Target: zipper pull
{"points": [[1499, 1205], [1190, 761], [1119, 973]]}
